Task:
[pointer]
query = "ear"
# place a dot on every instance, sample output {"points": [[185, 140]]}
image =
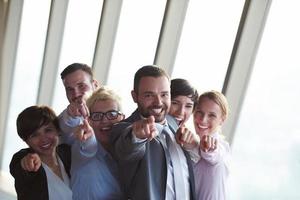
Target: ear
{"points": [[134, 96], [122, 117], [222, 121], [95, 84]]}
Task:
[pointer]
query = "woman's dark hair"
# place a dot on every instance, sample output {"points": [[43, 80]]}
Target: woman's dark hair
{"points": [[34, 117], [182, 87]]}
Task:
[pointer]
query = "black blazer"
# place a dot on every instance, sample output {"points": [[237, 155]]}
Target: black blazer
{"points": [[143, 167], [33, 185]]}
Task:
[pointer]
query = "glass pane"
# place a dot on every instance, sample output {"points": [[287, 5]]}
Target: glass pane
{"points": [[80, 35], [266, 147], [206, 43], [135, 46], [28, 68]]}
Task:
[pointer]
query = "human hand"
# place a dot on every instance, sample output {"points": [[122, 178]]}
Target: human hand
{"points": [[145, 128], [208, 143], [78, 108], [84, 131], [186, 138], [31, 162]]}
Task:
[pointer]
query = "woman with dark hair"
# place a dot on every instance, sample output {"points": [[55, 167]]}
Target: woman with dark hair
{"points": [[42, 170], [183, 98]]}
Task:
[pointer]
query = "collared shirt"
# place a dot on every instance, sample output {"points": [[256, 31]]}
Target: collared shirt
{"points": [[170, 191], [94, 176]]}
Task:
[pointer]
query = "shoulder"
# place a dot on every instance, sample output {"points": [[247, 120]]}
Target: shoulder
{"points": [[172, 122], [64, 149], [20, 154]]}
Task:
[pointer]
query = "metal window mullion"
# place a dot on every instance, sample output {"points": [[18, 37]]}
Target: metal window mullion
{"points": [[52, 51], [170, 34], [7, 65], [106, 38], [242, 59]]}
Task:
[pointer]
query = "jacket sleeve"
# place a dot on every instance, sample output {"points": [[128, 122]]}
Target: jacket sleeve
{"points": [[125, 145], [67, 125], [23, 179]]}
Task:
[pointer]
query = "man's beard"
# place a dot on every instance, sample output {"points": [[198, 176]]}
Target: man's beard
{"points": [[158, 116]]}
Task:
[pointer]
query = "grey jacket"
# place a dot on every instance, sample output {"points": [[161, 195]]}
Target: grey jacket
{"points": [[143, 168]]}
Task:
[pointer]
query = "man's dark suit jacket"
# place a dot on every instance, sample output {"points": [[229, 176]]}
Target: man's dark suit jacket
{"points": [[143, 167], [33, 185]]}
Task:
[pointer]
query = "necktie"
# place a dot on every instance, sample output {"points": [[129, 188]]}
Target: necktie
{"points": [[177, 169]]}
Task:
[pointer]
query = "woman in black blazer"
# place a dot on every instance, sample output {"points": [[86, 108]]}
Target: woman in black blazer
{"points": [[42, 170]]}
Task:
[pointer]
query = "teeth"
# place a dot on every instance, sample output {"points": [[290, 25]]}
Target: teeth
{"points": [[178, 119], [46, 145], [157, 111], [105, 128], [202, 127]]}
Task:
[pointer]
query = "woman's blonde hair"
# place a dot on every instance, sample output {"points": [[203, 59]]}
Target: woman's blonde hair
{"points": [[102, 94], [218, 98]]}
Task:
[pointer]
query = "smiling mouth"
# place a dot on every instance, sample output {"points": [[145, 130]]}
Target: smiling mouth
{"points": [[179, 121], [202, 127], [156, 111], [106, 128], [46, 145]]}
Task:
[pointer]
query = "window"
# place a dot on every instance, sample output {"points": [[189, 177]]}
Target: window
{"points": [[266, 146], [135, 46], [206, 43], [81, 29], [27, 70]]}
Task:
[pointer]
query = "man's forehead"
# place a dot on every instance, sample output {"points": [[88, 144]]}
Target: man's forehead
{"points": [[76, 78], [149, 84]]}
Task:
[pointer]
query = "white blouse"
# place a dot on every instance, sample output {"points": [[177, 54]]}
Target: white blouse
{"points": [[58, 188], [211, 172]]}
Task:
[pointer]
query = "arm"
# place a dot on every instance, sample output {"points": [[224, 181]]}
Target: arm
{"points": [[86, 146], [189, 141], [23, 178], [219, 154], [125, 145], [67, 125], [72, 117]]}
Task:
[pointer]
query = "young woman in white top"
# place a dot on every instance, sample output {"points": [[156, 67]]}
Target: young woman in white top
{"points": [[211, 170]]}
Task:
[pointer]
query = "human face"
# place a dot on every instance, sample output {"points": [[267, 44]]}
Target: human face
{"points": [[44, 140], [153, 97], [79, 86], [181, 108], [207, 117], [103, 127]]}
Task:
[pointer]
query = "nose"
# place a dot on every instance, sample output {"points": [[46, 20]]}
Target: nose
{"points": [[77, 92], [157, 100], [180, 110], [204, 118]]}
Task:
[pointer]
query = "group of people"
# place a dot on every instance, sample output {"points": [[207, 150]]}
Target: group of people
{"points": [[90, 151]]}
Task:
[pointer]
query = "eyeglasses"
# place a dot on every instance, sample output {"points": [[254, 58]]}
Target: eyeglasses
{"points": [[110, 115]]}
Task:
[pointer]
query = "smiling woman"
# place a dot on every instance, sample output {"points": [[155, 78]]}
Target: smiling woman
{"points": [[48, 163]]}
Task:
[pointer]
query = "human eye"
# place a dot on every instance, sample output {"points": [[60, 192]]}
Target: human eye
{"points": [[33, 135], [174, 102], [113, 114], [212, 115], [69, 90], [96, 116], [199, 113], [189, 106], [82, 86], [165, 94], [148, 95]]}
